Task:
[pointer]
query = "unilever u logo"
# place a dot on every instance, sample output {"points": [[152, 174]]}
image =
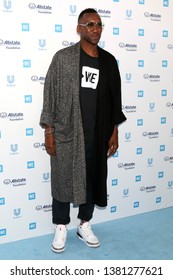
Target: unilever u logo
{"points": [[7, 5], [152, 46], [42, 43], [45, 176], [17, 212], [127, 136], [128, 77], [125, 192], [128, 13], [150, 161], [151, 105], [170, 184], [73, 9], [14, 148], [10, 79]]}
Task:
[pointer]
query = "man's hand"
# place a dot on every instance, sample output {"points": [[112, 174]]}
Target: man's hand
{"points": [[113, 143], [50, 144]]}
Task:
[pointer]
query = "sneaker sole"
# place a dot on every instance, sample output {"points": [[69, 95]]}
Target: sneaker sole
{"points": [[58, 250], [88, 244]]}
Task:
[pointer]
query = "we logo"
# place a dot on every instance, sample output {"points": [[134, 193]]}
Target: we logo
{"points": [[90, 77]]}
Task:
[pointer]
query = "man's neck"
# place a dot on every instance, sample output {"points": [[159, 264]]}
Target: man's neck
{"points": [[90, 49]]}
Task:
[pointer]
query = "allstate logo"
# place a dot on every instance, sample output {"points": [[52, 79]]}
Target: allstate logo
{"points": [[41, 8], [13, 116], [39, 145], [15, 182], [151, 134], [145, 133], [129, 108], [148, 188], [45, 208], [146, 14], [170, 159], [128, 46], [34, 78], [66, 43], [104, 13], [126, 166], [3, 115], [32, 6], [166, 158], [152, 77], [122, 45], [146, 76], [170, 46], [38, 207], [169, 105], [152, 16], [7, 182]]}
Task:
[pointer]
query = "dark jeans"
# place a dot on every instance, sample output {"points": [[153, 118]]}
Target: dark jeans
{"points": [[61, 212]]}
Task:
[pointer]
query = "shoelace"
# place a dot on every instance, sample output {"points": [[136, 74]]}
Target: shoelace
{"points": [[88, 231], [60, 234]]}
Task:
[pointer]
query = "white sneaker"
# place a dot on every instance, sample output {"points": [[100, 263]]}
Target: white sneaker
{"points": [[85, 233], [58, 244]]}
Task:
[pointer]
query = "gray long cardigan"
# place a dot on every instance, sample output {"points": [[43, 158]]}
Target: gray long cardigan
{"points": [[61, 109]]}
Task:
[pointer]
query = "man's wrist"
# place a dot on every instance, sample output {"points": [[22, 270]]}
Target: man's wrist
{"points": [[49, 130]]}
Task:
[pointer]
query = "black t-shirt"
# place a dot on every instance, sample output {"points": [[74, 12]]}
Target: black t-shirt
{"points": [[89, 73]]}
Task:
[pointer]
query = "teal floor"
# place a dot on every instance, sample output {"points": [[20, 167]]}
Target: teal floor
{"points": [[146, 236]]}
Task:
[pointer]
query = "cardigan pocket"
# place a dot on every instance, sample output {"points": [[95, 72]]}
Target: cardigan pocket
{"points": [[63, 132]]}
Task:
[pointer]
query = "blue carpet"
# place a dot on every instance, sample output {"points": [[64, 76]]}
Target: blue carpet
{"points": [[147, 236]]}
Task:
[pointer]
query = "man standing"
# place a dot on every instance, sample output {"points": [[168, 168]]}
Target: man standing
{"points": [[81, 112]]}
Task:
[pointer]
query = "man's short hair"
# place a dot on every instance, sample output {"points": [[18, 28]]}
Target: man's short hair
{"points": [[87, 11]]}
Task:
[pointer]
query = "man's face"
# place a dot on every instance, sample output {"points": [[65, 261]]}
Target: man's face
{"points": [[90, 28]]}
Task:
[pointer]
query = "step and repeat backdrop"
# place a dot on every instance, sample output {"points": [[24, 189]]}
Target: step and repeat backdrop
{"points": [[139, 33]]}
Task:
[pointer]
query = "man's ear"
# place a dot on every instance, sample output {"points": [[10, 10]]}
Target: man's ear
{"points": [[78, 29]]}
